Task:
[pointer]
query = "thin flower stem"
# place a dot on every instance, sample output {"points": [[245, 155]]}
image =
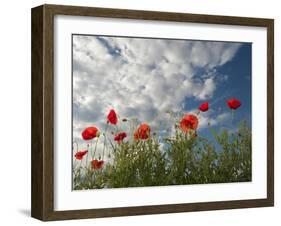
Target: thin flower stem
{"points": [[80, 169], [76, 151], [232, 116], [104, 140], [87, 158], [96, 144]]}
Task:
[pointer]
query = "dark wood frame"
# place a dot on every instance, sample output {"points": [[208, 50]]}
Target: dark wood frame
{"points": [[42, 203]]}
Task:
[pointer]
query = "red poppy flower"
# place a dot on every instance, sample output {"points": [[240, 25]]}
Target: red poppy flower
{"points": [[188, 122], [142, 132], [233, 103], [90, 133], [120, 137], [97, 164], [80, 154], [112, 117], [204, 107]]}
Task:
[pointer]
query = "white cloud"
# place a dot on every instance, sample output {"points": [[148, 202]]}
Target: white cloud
{"points": [[206, 119], [207, 90], [141, 78]]}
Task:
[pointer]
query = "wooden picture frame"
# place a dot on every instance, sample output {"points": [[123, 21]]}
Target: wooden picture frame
{"points": [[42, 203]]}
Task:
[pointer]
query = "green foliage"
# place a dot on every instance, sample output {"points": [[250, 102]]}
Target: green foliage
{"points": [[137, 164], [196, 160], [185, 159]]}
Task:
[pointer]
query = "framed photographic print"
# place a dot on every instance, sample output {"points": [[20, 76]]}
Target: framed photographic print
{"points": [[141, 112]]}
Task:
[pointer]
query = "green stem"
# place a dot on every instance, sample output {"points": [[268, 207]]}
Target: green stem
{"points": [[104, 140], [93, 154], [76, 151], [232, 116]]}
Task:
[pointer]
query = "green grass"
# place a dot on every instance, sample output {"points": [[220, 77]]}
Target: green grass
{"points": [[184, 159]]}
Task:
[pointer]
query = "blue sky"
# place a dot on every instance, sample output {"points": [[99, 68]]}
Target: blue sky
{"points": [[236, 85], [142, 79]]}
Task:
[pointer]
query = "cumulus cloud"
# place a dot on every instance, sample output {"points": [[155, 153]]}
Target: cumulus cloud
{"points": [[142, 78], [213, 120]]}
